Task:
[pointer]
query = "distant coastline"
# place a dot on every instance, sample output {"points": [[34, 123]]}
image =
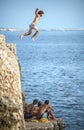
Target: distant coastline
{"points": [[57, 29]]}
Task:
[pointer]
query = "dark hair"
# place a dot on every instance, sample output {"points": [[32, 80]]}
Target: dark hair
{"points": [[46, 101], [39, 103], [40, 12], [35, 101]]}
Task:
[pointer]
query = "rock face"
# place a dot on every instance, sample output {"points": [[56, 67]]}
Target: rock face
{"points": [[52, 125], [11, 105], [11, 101]]}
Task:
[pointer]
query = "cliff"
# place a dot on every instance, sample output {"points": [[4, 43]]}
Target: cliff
{"points": [[11, 95], [11, 105]]}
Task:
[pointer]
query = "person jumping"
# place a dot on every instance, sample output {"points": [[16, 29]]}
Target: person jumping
{"points": [[32, 26]]}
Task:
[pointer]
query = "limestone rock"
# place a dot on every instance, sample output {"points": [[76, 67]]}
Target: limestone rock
{"points": [[2, 39], [12, 47], [11, 105], [52, 125]]}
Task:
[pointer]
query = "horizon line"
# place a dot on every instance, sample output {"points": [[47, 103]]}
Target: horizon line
{"points": [[47, 29]]}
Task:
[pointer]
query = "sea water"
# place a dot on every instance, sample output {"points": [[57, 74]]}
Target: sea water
{"points": [[53, 68]]}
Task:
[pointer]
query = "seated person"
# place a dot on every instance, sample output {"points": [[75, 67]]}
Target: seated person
{"points": [[30, 109], [35, 110], [46, 111]]}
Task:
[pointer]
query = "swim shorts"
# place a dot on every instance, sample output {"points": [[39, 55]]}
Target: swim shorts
{"points": [[33, 26]]}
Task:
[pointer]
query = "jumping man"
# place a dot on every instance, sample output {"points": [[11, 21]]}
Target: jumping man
{"points": [[32, 26]]}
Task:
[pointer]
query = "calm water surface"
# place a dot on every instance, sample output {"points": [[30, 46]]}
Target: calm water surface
{"points": [[53, 68]]}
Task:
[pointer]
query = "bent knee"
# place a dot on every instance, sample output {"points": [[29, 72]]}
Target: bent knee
{"points": [[37, 31]]}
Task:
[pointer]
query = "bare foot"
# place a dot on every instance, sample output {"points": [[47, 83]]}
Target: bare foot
{"points": [[21, 36], [32, 38]]}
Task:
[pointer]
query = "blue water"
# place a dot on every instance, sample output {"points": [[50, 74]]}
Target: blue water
{"points": [[53, 68]]}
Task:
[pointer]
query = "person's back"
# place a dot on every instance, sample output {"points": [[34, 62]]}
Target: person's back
{"points": [[43, 108], [46, 111]]}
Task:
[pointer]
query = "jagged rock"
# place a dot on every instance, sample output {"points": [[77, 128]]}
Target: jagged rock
{"points": [[11, 104], [52, 125], [2, 39], [12, 47]]}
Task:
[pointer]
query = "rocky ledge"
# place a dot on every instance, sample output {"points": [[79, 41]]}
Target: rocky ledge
{"points": [[52, 125]]}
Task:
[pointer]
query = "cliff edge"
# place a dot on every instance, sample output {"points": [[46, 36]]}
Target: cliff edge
{"points": [[11, 105]]}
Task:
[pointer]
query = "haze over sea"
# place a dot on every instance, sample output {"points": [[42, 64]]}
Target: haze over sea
{"points": [[53, 68]]}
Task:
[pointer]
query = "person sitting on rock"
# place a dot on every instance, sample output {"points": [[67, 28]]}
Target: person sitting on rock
{"points": [[30, 109], [35, 110], [46, 111]]}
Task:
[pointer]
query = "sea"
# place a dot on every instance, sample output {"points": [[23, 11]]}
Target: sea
{"points": [[52, 69]]}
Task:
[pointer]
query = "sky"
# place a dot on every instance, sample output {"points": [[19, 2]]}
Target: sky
{"points": [[58, 13]]}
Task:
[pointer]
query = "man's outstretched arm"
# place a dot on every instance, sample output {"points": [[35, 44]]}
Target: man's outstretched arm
{"points": [[36, 11]]}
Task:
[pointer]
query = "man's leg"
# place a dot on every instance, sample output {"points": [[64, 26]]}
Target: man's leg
{"points": [[26, 34], [34, 35], [51, 116]]}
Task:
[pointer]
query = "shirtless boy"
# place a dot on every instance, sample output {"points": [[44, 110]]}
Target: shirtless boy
{"points": [[46, 108], [30, 109], [32, 26]]}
